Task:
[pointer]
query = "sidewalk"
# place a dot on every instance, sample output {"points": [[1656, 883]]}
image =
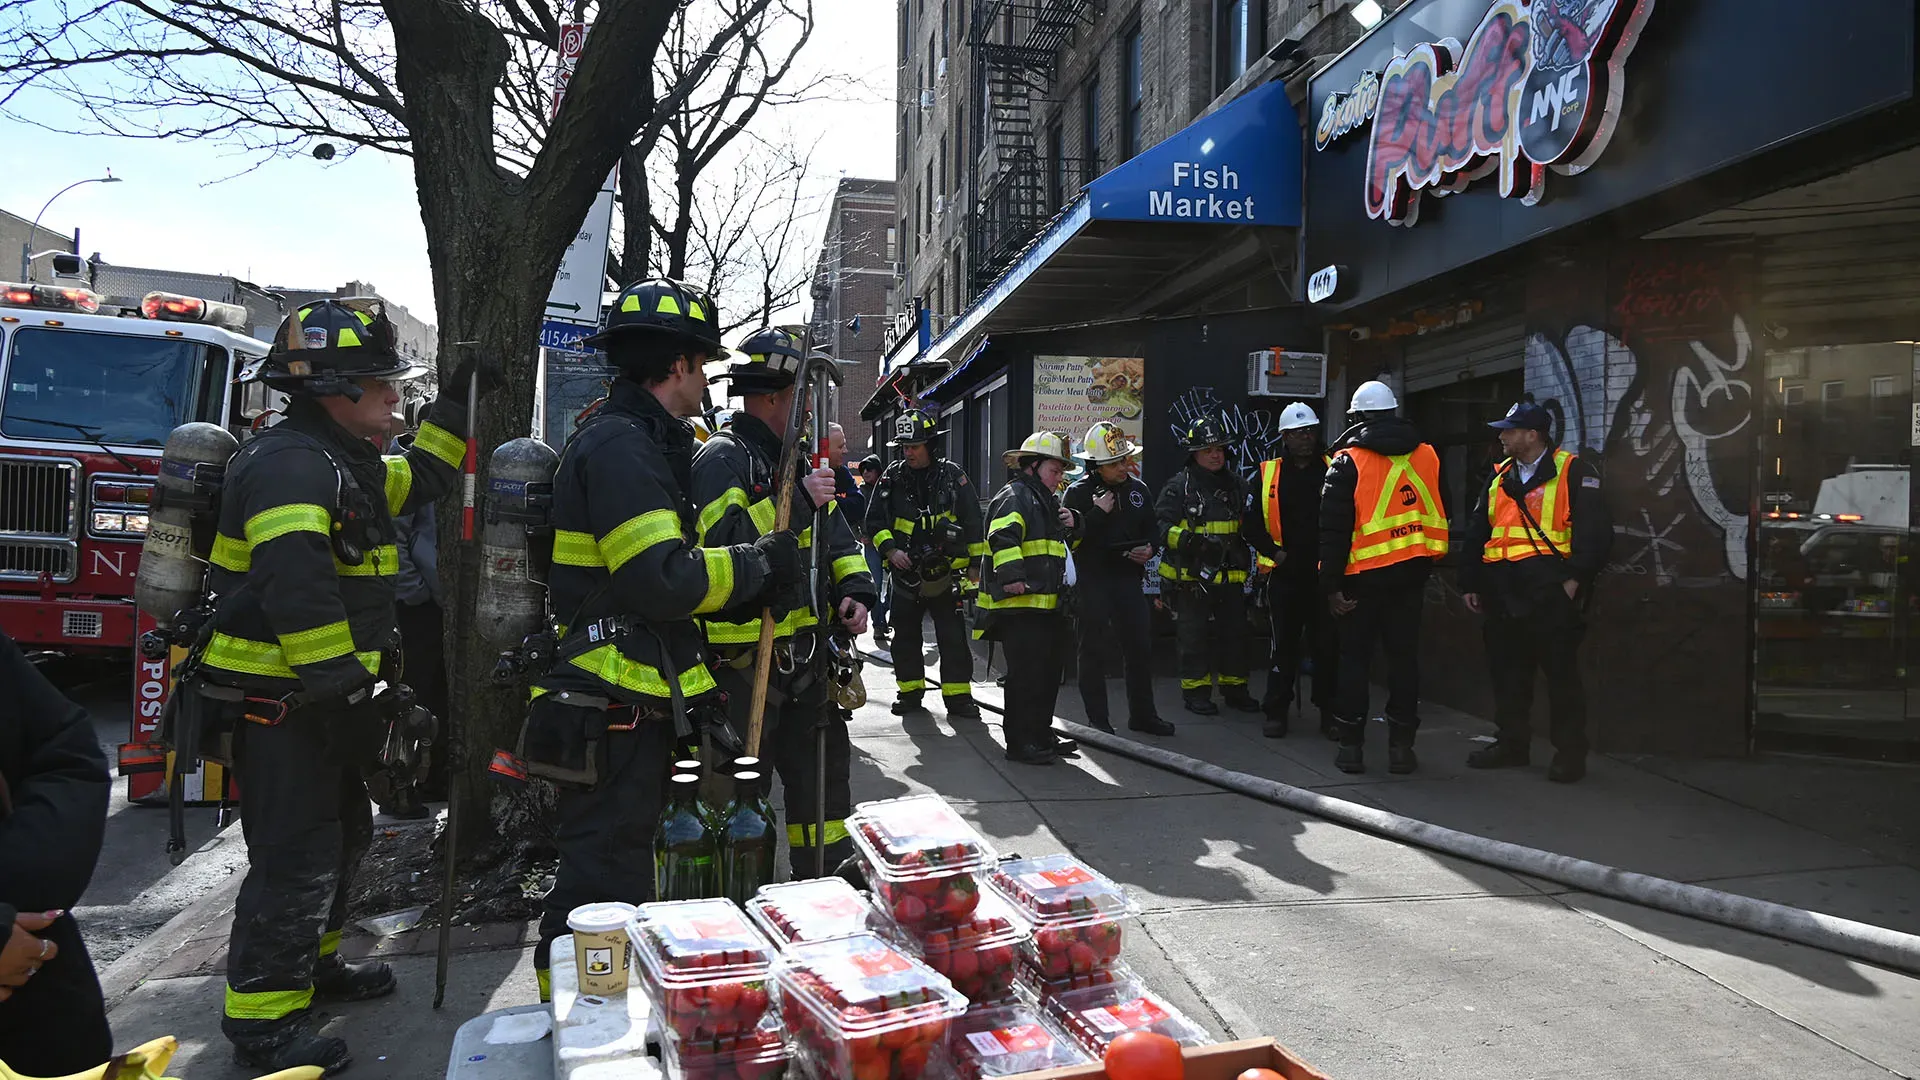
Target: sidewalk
{"points": [[1371, 959]]}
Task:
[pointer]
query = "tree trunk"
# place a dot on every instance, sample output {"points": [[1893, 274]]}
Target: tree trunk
{"points": [[636, 206]]}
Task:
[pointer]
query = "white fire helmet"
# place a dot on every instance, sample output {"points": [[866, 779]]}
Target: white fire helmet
{"points": [[1298, 415], [1106, 443], [1374, 396]]}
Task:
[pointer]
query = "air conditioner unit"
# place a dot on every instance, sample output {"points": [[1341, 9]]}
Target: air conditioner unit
{"points": [[926, 99], [939, 205], [940, 71], [1279, 373]]}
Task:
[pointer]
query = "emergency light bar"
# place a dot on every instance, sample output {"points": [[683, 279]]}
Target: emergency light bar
{"points": [[49, 297], [172, 307]]}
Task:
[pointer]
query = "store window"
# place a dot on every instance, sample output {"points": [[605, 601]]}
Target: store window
{"points": [[990, 433], [1837, 611]]}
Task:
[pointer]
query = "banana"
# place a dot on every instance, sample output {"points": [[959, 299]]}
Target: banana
{"points": [[147, 1062], [304, 1072]]}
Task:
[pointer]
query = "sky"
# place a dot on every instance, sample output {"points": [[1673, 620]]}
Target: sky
{"points": [[290, 222]]}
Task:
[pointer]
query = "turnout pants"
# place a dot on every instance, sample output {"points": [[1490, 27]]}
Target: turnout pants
{"points": [[1545, 639], [1035, 642], [949, 632], [795, 732], [1210, 628], [1387, 615], [307, 823], [1113, 610], [1302, 626]]}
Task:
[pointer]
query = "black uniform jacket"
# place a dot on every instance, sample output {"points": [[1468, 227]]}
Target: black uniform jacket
{"points": [[910, 501], [1106, 536]]}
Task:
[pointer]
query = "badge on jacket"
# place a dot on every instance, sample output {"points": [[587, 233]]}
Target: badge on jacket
{"points": [[1589, 481]]}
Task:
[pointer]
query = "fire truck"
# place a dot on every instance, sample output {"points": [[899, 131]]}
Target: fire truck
{"points": [[88, 395]]}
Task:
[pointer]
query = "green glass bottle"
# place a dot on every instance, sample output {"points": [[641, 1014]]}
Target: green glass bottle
{"points": [[685, 857], [747, 840]]}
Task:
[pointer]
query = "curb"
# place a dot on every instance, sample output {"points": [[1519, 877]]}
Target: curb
{"points": [[122, 977]]}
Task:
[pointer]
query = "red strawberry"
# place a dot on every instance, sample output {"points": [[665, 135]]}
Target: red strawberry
{"points": [[910, 910], [1080, 957]]}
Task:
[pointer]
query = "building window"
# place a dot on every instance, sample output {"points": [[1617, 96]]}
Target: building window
{"points": [[959, 287], [926, 200], [1793, 395], [1239, 35], [1133, 91], [1090, 116], [1056, 166], [946, 24], [1832, 393], [893, 244], [946, 177], [1883, 392]]}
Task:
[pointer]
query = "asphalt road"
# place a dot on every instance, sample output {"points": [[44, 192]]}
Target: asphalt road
{"points": [[132, 892]]}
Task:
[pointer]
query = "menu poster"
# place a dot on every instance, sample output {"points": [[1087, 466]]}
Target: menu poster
{"points": [[1072, 393]]}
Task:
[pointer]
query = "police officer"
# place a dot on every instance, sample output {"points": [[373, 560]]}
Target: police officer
{"points": [[735, 483], [1201, 512], [1536, 540], [925, 520], [1020, 593], [1113, 547], [304, 569], [1381, 527], [628, 581], [1289, 497]]}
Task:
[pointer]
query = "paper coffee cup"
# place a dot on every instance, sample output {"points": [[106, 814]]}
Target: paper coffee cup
{"points": [[601, 947]]}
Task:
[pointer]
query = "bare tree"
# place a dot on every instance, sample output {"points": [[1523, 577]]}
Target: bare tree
{"points": [[747, 231], [460, 86]]}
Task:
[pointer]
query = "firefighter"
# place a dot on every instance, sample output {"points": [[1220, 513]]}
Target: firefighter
{"points": [[925, 521], [1114, 546], [1382, 525], [735, 483], [627, 584], [1020, 593], [1534, 544], [1204, 515], [305, 566], [1289, 494]]}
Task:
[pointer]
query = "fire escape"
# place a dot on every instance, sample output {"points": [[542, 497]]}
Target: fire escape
{"points": [[1016, 45]]}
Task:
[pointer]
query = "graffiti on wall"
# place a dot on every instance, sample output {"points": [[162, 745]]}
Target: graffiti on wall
{"points": [[1255, 432]]}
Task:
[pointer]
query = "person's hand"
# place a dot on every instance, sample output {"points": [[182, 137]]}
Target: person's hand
{"points": [[973, 575], [853, 615], [1066, 518], [819, 485], [1015, 588], [899, 560], [1473, 603], [1280, 557], [1571, 586], [1141, 554], [1104, 501], [785, 574], [24, 951], [1340, 605]]}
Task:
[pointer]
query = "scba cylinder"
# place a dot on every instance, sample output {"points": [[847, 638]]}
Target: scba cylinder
{"points": [[516, 542], [181, 525]]}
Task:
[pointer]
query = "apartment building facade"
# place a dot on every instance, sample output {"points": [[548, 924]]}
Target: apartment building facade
{"points": [[852, 292]]}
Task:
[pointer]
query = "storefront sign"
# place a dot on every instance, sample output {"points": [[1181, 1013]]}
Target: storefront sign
{"points": [[1072, 393], [1536, 86], [1237, 166], [1345, 112]]}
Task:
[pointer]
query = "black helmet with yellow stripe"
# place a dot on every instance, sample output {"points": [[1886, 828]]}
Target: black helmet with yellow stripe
{"points": [[678, 313], [324, 346], [774, 357]]}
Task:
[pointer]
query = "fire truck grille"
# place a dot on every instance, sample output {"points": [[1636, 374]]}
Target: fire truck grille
{"points": [[26, 562], [39, 517]]}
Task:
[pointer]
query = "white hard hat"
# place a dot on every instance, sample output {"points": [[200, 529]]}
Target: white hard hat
{"points": [[1298, 415], [1374, 396], [1046, 444], [1107, 443]]}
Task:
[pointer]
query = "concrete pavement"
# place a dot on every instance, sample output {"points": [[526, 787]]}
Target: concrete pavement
{"points": [[1373, 960]]}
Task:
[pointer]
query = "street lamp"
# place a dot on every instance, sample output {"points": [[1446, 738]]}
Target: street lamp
{"points": [[26, 249]]}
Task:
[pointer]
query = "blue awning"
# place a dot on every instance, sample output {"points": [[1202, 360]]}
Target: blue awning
{"points": [[1212, 200]]}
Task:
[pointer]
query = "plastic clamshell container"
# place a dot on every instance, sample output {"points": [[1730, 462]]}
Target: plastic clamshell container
{"points": [[760, 1054], [703, 965], [859, 1007], [1076, 913], [1007, 1040], [1041, 988], [811, 910], [979, 955], [917, 837], [1098, 1015]]}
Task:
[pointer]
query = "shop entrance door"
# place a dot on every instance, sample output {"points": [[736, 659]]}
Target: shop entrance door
{"points": [[1836, 619]]}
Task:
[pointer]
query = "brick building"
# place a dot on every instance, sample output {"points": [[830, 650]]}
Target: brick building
{"points": [[853, 280]]}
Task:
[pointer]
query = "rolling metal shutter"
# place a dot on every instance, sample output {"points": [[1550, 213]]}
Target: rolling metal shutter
{"points": [[1468, 352]]}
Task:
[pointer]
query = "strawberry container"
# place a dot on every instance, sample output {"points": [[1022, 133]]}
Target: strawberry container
{"points": [[1098, 1015], [980, 955], [860, 1009], [1076, 914], [1046, 988], [704, 967], [922, 860], [760, 1054], [802, 911], [1006, 1040]]}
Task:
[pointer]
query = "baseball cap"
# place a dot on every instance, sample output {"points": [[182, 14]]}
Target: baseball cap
{"points": [[1525, 414]]}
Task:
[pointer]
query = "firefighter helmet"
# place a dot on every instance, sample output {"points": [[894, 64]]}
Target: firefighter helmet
{"points": [[1044, 444], [322, 347], [1209, 430], [1107, 443], [912, 427], [665, 308], [1374, 396], [774, 357], [1298, 415]]}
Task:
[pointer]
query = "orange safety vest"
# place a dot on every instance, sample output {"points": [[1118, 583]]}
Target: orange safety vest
{"points": [[1396, 515], [1270, 500], [1512, 538]]}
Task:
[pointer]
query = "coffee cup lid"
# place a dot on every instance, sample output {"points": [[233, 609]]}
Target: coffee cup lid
{"points": [[602, 918]]}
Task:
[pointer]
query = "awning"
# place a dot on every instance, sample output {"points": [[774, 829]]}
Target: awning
{"points": [[1159, 229]]}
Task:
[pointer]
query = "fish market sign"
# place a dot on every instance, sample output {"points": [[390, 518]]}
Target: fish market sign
{"points": [[1201, 194], [1537, 86], [1237, 166]]}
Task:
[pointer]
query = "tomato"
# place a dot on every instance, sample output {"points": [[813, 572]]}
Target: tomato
{"points": [[1259, 1074], [1142, 1055]]}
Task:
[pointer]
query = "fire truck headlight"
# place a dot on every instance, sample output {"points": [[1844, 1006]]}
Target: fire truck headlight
{"points": [[137, 523], [108, 522]]}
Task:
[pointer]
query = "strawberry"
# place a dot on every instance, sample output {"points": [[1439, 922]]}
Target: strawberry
{"points": [[910, 910], [1080, 957], [912, 1062]]}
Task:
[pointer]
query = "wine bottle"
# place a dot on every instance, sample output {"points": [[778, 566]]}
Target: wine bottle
{"points": [[747, 840], [685, 858]]}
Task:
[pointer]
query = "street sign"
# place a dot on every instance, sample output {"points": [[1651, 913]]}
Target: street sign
{"points": [[564, 336], [577, 287]]}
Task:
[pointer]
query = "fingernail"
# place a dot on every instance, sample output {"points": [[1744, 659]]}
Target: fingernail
{"points": [[56, 914]]}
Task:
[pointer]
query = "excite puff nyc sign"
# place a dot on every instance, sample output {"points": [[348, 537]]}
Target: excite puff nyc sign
{"points": [[1537, 86]]}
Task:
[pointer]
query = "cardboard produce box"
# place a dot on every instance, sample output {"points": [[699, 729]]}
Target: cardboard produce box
{"points": [[1223, 1061]]}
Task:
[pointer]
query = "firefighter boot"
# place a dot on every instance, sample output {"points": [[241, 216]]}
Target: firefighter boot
{"points": [[348, 980], [1276, 725], [1237, 697], [962, 707], [1351, 757], [286, 1043], [1200, 702], [908, 705], [1400, 756]]}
